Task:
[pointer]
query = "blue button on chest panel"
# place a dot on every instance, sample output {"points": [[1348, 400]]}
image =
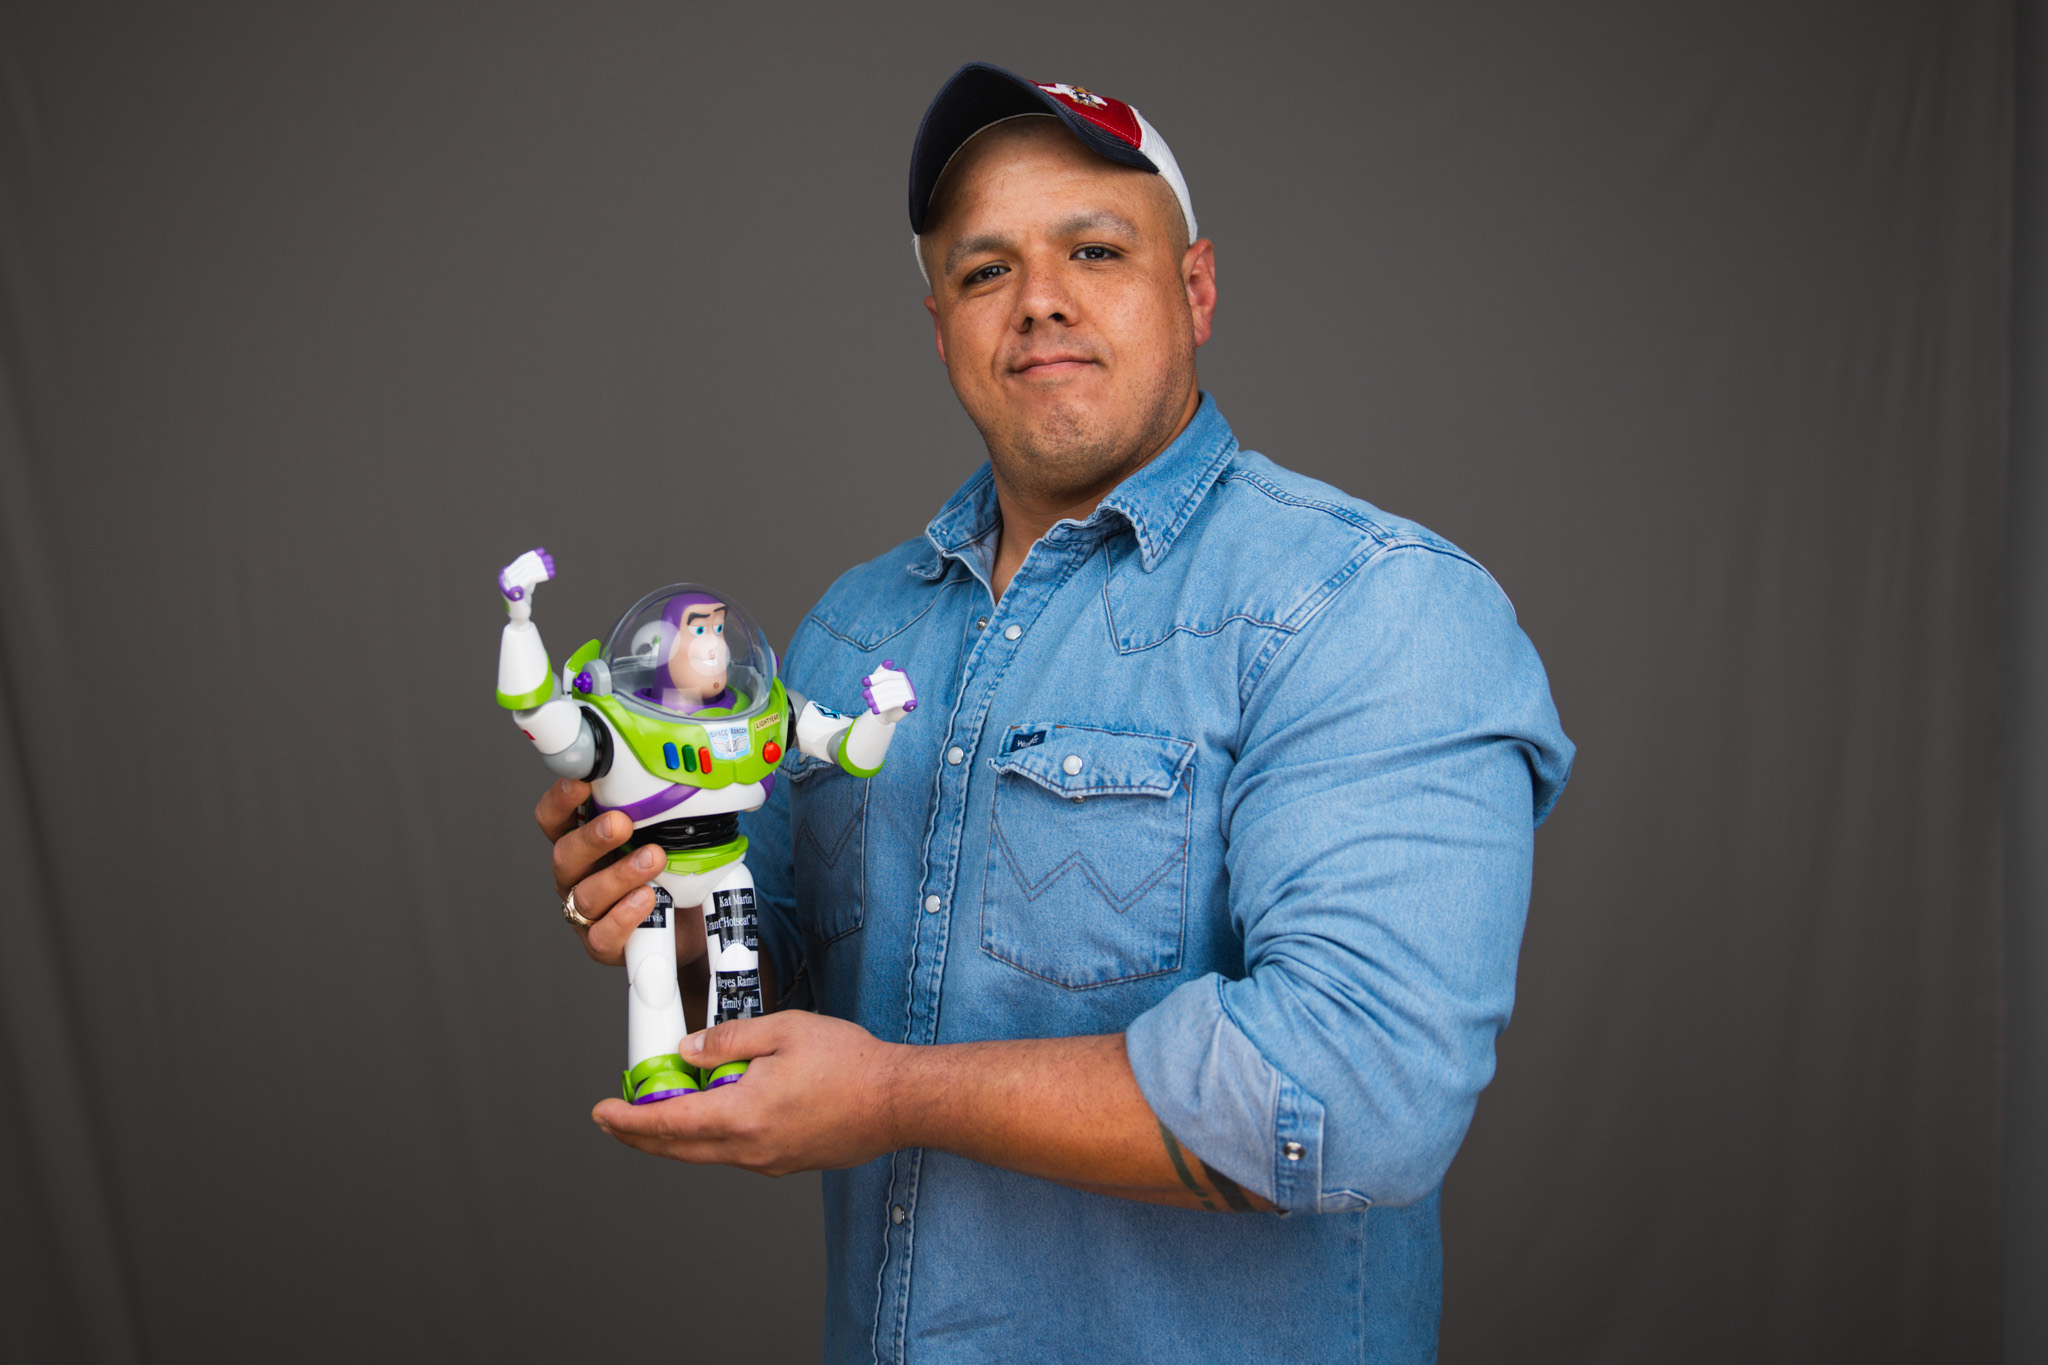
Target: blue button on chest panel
{"points": [[669, 755]]}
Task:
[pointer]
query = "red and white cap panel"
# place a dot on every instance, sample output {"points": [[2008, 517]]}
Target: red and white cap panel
{"points": [[1120, 120]]}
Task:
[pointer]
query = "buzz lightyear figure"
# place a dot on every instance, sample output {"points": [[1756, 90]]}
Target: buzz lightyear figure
{"points": [[679, 721]]}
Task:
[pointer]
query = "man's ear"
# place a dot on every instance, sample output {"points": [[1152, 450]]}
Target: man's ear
{"points": [[1198, 273], [931, 305]]}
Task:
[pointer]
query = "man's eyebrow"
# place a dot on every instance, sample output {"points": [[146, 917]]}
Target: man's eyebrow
{"points": [[1093, 219], [973, 246], [1074, 226]]}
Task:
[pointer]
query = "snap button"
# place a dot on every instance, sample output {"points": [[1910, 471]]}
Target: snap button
{"points": [[1292, 1151], [982, 624], [955, 754], [1072, 765], [897, 1215], [1013, 632], [931, 905]]}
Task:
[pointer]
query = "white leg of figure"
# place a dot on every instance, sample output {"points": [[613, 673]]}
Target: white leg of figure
{"points": [[654, 1000], [732, 939]]}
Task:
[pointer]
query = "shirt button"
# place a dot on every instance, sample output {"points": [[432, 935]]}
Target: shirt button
{"points": [[1072, 765], [982, 624], [1292, 1151], [931, 905], [1013, 632], [897, 1215], [955, 754]]}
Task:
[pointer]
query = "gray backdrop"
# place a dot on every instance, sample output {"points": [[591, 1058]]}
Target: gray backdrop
{"points": [[1688, 319]]}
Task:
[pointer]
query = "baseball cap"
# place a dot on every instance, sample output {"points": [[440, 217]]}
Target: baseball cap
{"points": [[978, 95]]}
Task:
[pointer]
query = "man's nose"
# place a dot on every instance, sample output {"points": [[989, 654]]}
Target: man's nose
{"points": [[1044, 298]]}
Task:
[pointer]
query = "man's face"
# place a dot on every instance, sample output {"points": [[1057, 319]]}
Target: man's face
{"points": [[697, 663], [1068, 306]]}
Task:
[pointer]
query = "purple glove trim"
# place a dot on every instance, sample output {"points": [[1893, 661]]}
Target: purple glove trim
{"points": [[514, 594], [867, 690]]}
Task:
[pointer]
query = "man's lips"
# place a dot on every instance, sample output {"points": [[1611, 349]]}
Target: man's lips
{"points": [[1045, 366]]}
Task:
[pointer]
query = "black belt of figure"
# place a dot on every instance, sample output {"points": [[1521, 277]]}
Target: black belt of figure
{"points": [[688, 832]]}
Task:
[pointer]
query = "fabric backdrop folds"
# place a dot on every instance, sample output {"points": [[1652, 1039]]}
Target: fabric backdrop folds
{"points": [[1688, 320]]}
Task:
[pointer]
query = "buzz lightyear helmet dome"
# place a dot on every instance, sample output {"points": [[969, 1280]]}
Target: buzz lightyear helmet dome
{"points": [[686, 650]]}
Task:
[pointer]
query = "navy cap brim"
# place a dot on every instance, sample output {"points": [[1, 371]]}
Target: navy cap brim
{"points": [[976, 96]]}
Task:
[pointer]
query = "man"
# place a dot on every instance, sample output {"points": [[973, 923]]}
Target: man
{"points": [[1195, 889]]}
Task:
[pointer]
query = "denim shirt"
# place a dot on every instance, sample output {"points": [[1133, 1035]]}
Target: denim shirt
{"points": [[1239, 766]]}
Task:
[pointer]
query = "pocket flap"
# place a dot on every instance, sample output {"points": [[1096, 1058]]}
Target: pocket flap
{"points": [[1080, 760]]}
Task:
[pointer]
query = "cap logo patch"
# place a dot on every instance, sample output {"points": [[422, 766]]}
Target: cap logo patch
{"points": [[1076, 94], [1111, 116]]}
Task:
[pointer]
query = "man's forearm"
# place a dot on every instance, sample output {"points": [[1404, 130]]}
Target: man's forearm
{"points": [[1064, 1109], [823, 1094]]}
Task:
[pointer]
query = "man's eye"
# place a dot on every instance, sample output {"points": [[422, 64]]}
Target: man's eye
{"points": [[1094, 253], [987, 273]]}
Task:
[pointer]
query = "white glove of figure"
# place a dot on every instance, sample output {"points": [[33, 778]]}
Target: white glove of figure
{"points": [[888, 693], [518, 579]]}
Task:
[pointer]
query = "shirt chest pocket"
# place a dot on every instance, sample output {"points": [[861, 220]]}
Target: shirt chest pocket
{"points": [[1088, 853], [828, 836]]}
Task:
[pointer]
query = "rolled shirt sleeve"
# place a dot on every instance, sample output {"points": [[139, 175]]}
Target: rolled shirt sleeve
{"points": [[1396, 756]]}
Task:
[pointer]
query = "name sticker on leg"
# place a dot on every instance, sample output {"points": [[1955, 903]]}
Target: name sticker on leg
{"points": [[732, 918], [739, 995]]}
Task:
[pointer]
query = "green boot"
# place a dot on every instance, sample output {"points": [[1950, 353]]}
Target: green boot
{"points": [[661, 1078]]}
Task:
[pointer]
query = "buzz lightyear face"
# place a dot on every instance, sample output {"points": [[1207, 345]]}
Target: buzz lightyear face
{"points": [[684, 649], [697, 664]]}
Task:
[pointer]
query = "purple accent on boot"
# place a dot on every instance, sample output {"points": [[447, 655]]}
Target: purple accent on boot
{"points": [[664, 1095], [722, 1080], [655, 804]]}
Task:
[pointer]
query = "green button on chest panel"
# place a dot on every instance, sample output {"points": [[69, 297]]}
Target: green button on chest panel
{"points": [[683, 750]]}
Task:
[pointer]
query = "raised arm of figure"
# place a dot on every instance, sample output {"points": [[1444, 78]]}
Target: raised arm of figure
{"points": [[857, 743], [527, 685]]}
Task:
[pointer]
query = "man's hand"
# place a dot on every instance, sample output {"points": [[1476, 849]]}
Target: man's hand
{"points": [[815, 1096], [824, 1094], [609, 889]]}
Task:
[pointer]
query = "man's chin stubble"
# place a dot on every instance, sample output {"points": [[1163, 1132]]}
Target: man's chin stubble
{"points": [[1064, 458]]}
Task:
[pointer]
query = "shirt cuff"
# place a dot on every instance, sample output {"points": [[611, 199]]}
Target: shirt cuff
{"points": [[1223, 1101]]}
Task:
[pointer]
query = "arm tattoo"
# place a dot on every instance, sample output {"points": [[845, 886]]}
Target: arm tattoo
{"points": [[1180, 1164], [1226, 1187]]}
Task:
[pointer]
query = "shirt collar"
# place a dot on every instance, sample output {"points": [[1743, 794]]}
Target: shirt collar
{"points": [[1157, 501]]}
